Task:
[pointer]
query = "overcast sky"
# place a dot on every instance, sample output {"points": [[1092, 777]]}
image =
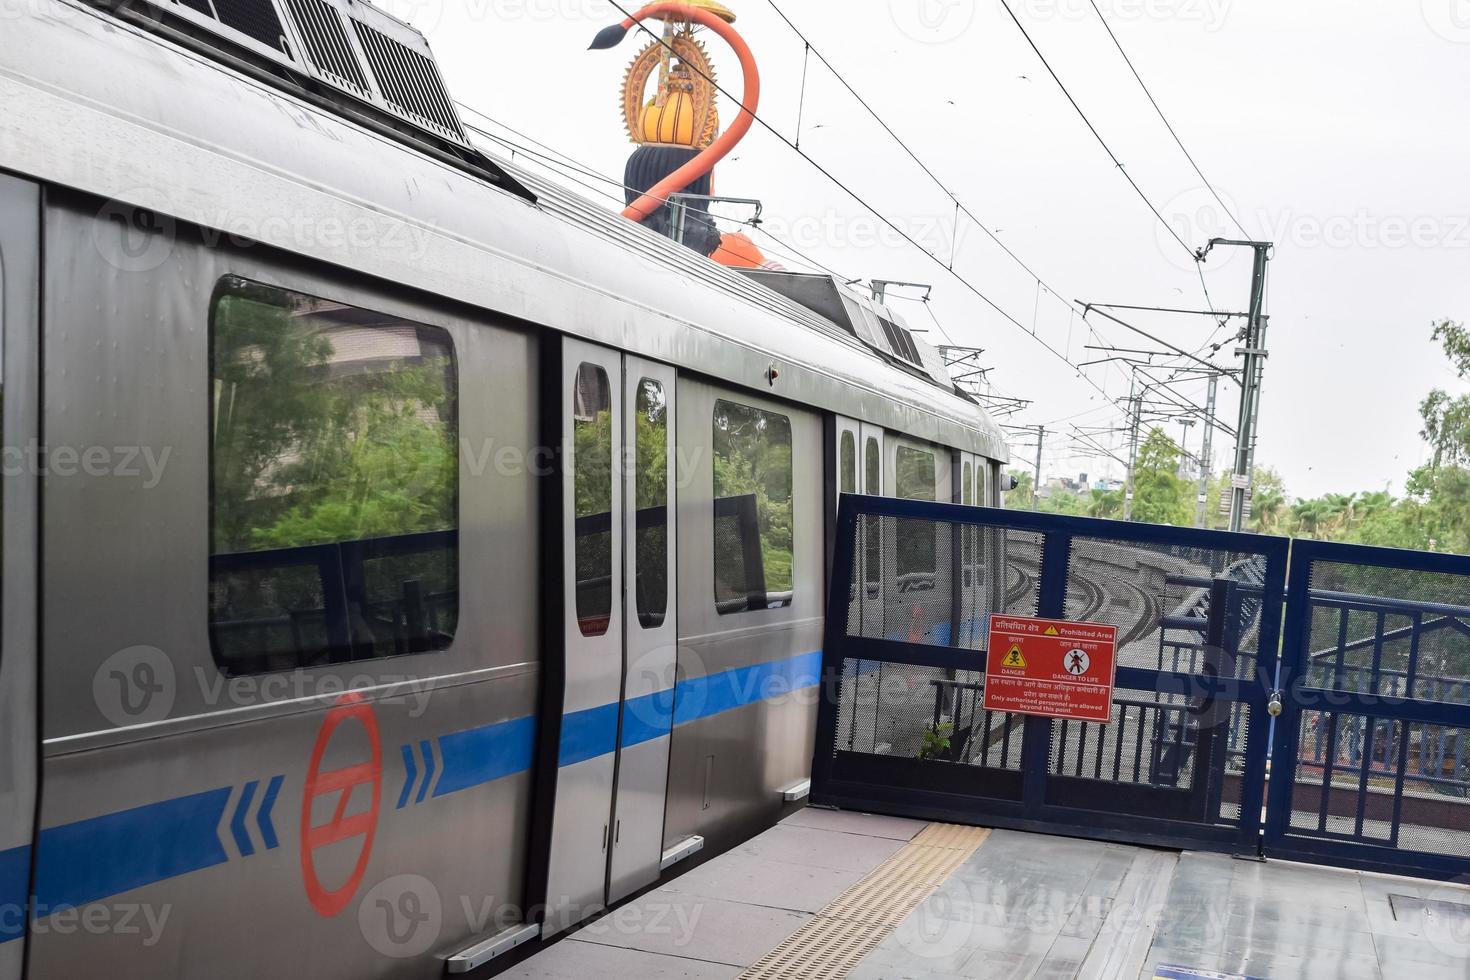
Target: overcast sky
{"points": [[1335, 129]]}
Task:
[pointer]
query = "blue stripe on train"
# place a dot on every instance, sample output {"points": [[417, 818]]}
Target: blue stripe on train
{"points": [[15, 873], [82, 862], [92, 859], [592, 733]]}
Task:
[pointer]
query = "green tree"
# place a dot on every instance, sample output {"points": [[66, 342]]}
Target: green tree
{"points": [[1159, 495]]}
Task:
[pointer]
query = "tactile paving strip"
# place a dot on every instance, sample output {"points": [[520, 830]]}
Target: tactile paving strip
{"points": [[840, 935]]}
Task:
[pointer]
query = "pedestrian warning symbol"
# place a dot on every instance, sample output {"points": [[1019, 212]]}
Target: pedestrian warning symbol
{"points": [[1014, 658]]}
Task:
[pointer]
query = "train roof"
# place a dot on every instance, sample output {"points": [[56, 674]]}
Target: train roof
{"points": [[103, 106]]}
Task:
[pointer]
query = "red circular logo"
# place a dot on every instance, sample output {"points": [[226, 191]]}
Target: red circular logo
{"points": [[349, 707]]}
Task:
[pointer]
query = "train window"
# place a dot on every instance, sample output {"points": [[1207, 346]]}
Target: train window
{"points": [[592, 469], [334, 492], [968, 485], [914, 480], [847, 463], [652, 482], [753, 508]]}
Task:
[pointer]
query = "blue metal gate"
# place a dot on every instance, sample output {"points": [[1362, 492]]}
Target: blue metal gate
{"points": [[901, 726], [1371, 765]]}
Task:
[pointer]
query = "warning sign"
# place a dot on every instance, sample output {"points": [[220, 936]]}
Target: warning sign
{"points": [[1051, 668]]}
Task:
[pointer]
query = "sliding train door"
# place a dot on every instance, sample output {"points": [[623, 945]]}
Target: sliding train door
{"points": [[650, 650], [618, 434], [592, 441], [19, 289]]}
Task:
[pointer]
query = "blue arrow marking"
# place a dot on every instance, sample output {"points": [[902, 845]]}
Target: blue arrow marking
{"points": [[428, 770], [237, 822], [263, 819], [411, 774]]}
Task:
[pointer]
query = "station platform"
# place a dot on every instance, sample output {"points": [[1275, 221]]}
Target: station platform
{"points": [[829, 894]]}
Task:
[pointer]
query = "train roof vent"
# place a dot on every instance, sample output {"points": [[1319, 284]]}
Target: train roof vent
{"points": [[407, 77], [348, 46], [876, 326], [327, 45]]}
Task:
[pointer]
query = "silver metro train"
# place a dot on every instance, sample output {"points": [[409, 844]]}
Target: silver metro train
{"points": [[403, 558]]}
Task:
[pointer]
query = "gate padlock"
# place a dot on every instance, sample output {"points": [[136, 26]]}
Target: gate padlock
{"points": [[1273, 707]]}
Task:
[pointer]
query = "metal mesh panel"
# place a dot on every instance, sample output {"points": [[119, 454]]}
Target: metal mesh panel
{"points": [[923, 713], [1158, 595], [1390, 632], [1384, 782], [906, 585]]}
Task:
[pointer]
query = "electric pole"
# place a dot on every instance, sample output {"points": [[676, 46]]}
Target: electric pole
{"points": [[1040, 441], [1254, 353], [1135, 409], [1204, 454]]}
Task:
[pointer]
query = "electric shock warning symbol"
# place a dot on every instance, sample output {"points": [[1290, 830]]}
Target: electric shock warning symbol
{"points": [[1014, 658], [1052, 631]]}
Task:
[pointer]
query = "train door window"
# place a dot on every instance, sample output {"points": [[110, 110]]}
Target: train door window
{"points": [[847, 463], [753, 508], [873, 486], [592, 450], [652, 483], [967, 485], [334, 492], [914, 479]]}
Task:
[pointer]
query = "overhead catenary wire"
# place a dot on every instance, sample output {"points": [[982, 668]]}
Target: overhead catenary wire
{"points": [[860, 200], [1093, 129], [1167, 125]]}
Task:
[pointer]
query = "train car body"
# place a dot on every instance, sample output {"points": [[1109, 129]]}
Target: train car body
{"points": [[271, 703]]}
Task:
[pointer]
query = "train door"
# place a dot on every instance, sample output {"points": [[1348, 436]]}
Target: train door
{"points": [[607, 831], [19, 290], [650, 646]]}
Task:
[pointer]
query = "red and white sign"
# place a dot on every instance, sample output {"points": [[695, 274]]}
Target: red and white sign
{"points": [[1051, 667]]}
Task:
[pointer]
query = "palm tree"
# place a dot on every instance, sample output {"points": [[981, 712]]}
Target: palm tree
{"points": [[1266, 507], [1105, 503]]}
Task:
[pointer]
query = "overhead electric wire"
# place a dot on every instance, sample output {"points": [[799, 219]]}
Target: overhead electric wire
{"points": [[1093, 129], [1154, 102], [861, 201], [556, 159], [902, 145]]}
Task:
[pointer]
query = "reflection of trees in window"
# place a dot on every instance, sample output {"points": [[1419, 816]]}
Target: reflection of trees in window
{"points": [[335, 482], [753, 508], [592, 450], [847, 464], [652, 482], [914, 480]]}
